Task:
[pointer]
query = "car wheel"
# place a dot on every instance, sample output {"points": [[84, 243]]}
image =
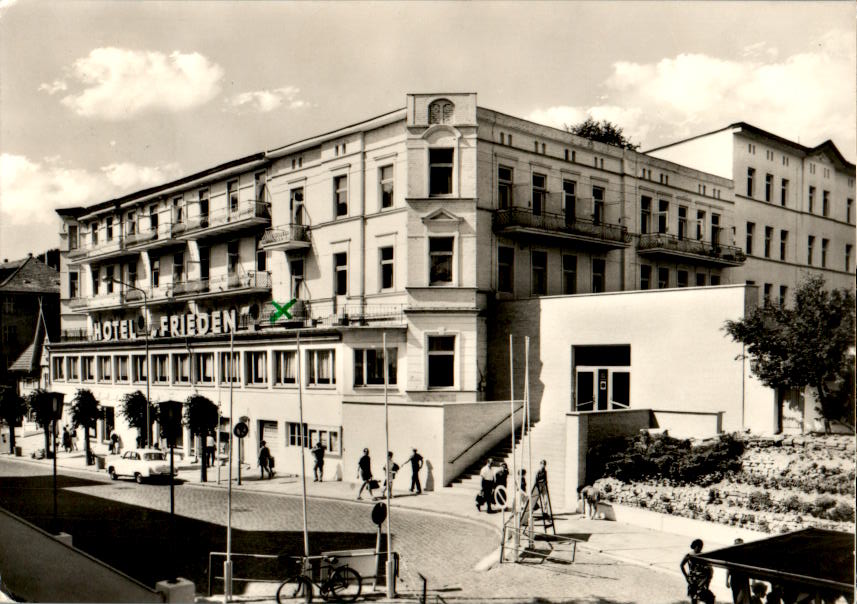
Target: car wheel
{"points": [[139, 478], [113, 474]]}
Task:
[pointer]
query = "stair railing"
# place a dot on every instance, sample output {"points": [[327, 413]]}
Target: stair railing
{"points": [[484, 434]]}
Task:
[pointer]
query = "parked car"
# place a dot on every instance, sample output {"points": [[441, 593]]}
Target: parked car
{"points": [[140, 464]]}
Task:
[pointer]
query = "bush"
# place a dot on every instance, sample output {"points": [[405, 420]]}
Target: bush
{"points": [[792, 503], [842, 512], [759, 500]]}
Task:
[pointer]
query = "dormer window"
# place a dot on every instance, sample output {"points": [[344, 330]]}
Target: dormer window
{"points": [[440, 112]]}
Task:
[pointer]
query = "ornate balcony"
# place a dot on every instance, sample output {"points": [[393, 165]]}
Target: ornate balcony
{"points": [[222, 220], [689, 250], [522, 223], [287, 238], [224, 285]]}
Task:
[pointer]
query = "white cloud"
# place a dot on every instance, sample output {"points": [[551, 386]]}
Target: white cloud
{"points": [[54, 87], [121, 83], [633, 122], [6, 5], [263, 101]]}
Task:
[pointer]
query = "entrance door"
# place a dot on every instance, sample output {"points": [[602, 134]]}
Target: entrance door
{"points": [[603, 399], [602, 388], [269, 431]]}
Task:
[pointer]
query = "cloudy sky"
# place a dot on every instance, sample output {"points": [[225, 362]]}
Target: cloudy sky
{"points": [[98, 99]]}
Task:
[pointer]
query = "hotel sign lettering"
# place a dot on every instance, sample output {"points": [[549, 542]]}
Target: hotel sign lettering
{"points": [[190, 324]]}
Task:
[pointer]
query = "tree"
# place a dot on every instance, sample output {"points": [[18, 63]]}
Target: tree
{"points": [[133, 409], [603, 132], [85, 411], [201, 417], [807, 345], [40, 402], [12, 410]]}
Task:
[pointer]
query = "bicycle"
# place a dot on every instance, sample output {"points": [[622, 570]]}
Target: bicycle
{"points": [[337, 584]]}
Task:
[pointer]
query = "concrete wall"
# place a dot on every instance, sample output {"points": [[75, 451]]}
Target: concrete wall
{"points": [[39, 568], [684, 424]]}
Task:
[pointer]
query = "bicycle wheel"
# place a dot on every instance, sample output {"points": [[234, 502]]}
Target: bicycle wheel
{"points": [[344, 585], [294, 588]]}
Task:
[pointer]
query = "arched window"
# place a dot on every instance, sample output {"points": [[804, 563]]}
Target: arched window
{"points": [[440, 112]]}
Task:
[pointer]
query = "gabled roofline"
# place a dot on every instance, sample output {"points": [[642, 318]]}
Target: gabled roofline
{"points": [[690, 138]]}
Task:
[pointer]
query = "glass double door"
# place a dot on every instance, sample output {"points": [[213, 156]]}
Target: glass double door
{"points": [[602, 388]]}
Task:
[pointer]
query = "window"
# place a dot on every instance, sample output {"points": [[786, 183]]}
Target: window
{"points": [[386, 185], [812, 168], [105, 369], [297, 437], [440, 112], [160, 369], [138, 367], [8, 305], [108, 228], [539, 193], [645, 215], [569, 200], [259, 185], [783, 293], [232, 257], [340, 195], [321, 367], [751, 229], [769, 186], [700, 279], [73, 285], [73, 367], [229, 368], [88, 368], [386, 256], [769, 234], [825, 203], [203, 207], [121, 368], [296, 269], [73, 237], [597, 205], [256, 365], [232, 195], [204, 262], [181, 368], [58, 366], [645, 276], [751, 148], [178, 210], [663, 277], [569, 274], [700, 225], [261, 261], [93, 228], [178, 267], [369, 367], [10, 334], [598, 266], [440, 171], [340, 270], [203, 367], [505, 269], [751, 173], [540, 273], [95, 280], [132, 272], [682, 222], [441, 361], [848, 248], [663, 216], [784, 239], [440, 260], [811, 198], [504, 187], [296, 205], [849, 206], [681, 278], [285, 367], [153, 221], [156, 272], [810, 244], [824, 244], [784, 192], [766, 295]]}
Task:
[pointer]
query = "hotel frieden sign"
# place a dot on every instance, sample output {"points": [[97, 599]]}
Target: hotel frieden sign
{"points": [[190, 324]]}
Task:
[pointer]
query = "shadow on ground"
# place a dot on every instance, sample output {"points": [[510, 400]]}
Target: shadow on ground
{"points": [[148, 544]]}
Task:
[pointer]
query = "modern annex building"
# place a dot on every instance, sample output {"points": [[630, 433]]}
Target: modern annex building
{"points": [[427, 226]]}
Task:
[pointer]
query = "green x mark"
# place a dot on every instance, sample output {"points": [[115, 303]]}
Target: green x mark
{"points": [[282, 310]]}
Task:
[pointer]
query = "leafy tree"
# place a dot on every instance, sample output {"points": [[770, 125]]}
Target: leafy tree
{"points": [[85, 411], [133, 409], [603, 132], [40, 402], [807, 345], [12, 409], [201, 417]]}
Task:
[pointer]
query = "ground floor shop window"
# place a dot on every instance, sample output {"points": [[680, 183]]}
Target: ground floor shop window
{"points": [[441, 361], [369, 367], [328, 436]]}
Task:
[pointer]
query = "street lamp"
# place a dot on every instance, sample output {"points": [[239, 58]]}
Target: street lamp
{"points": [[108, 279]]}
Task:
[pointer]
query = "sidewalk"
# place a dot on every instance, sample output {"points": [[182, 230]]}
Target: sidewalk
{"points": [[644, 547]]}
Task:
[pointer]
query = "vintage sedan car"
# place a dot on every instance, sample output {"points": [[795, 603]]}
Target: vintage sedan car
{"points": [[141, 464]]}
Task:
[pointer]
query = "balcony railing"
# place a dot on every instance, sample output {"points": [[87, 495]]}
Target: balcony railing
{"points": [[328, 314], [142, 237], [74, 335], [87, 249], [523, 220], [251, 280], [248, 211], [286, 237], [705, 251]]}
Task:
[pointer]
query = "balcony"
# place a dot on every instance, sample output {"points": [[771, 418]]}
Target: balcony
{"points": [[286, 238], [689, 250], [519, 223], [102, 250], [151, 238], [225, 285], [327, 313], [98, 302], [223, 220]]}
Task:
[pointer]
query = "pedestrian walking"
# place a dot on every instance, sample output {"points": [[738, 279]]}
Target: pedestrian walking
{"points": [[501, 478], [364, 473], [73, 438], [265, 461], [66, 439], [739, 582], [390, 470], [318, 462], [114, 443], [209, 449], [487, 493], [759, 591], [416, 461], [697, 574]]}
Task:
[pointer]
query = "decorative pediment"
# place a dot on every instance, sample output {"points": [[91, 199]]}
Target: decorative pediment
{"points": [[441, 217]]}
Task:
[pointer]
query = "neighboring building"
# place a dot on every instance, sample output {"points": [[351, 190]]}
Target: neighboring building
{"points": [[24, 286], [417, 226], [794, 205]]}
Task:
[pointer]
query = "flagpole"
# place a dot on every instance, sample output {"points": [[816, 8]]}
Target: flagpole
{"points": [[303, 438], [517, 537], [391, 583], [227, 566]]}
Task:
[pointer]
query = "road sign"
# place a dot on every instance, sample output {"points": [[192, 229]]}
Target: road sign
{"points": [[241, 430], [282, 310], [379, 513]]}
